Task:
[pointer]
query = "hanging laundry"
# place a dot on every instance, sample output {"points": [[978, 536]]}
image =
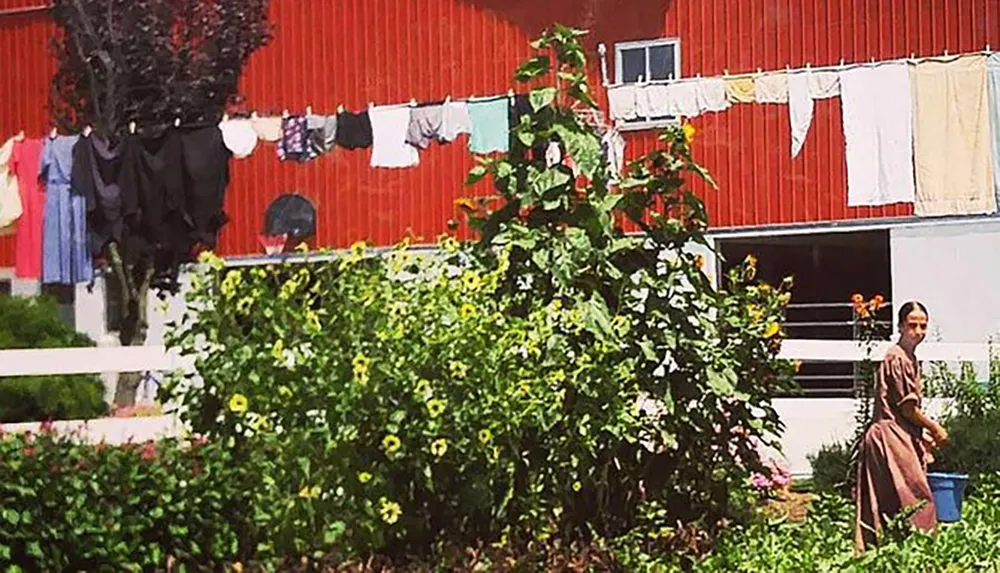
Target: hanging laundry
{"points": [[823, 85], [455, 120], [65, 256], [993, 75], [681, 99], [426, 123], [28, 251], [354, 130], [800, 108], [267, 128], [322, 130], [239, 136], [741, 89], [10, 198], [951, 138], [622, 102], [294, 143], [96, 175], [153, 194], [206, 177], [490, 125], [654, 100], [389, 147], [878, 134], [613, 148], [710, 93], [771, 88]]}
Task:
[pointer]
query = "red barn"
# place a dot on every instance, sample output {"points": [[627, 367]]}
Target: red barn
{"points": [[792, 212]]}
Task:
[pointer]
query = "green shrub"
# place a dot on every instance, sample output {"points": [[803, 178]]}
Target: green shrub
{"points": [[492, 392], [973, 447], [35, 323], [65, 506], [831, 467]]}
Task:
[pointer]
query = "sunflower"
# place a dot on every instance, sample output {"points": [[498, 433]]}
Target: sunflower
{"points": [[390, 511], [772, 329], [439, 447], [436, 407], [364, 477], [485, 435], [689, 132], [466, 311], [391, 444], [238, 403]]}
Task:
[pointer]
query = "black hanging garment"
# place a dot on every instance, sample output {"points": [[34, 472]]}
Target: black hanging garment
{"points": [[354, 131]]}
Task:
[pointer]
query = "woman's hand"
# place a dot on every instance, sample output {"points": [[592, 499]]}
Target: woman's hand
{"points": [[939, 434]]}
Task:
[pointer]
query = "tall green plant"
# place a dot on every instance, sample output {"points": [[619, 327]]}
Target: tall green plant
{"points": [[869, 330], [705, 357]]}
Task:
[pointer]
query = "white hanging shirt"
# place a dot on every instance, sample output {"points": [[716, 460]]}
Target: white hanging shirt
{"points": [[10, 197], [389, 146]]}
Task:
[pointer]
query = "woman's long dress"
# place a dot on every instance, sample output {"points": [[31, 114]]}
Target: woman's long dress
{"points": [[892, 469]]}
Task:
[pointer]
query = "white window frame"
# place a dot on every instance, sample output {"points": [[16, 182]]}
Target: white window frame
{"points": [[640, 124]]}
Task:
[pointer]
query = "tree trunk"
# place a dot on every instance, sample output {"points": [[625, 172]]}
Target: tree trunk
{"points": [[134, 323]]}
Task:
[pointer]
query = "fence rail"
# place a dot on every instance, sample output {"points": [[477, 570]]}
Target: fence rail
{"points": [[40, 362]]}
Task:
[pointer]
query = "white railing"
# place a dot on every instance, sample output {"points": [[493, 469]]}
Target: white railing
{"points": [[809, 422]]}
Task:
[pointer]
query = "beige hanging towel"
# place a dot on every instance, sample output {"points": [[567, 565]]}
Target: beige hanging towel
{"points": [[740, 89], [10, 197], [951, 138], [772, 88]]}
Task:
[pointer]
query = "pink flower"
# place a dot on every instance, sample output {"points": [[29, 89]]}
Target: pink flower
{"points": [[148, 452]]}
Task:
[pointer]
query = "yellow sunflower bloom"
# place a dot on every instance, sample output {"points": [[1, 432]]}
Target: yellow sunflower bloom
{"points": [[238, 403], [364, 477], [439, 447], [772, 329], [391, 444], [390, 511], [689, 132], [485, 436], [466, 311], [436, 407]]}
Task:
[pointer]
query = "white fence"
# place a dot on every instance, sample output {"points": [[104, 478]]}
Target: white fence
{"points": [[809, 422]]}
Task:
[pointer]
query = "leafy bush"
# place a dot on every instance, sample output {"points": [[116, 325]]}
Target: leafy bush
{"points": [[542, 383], [831, 469], [66, 506], [35, 323]]}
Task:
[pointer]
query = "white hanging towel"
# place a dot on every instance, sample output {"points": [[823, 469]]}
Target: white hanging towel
{"points": [[823, 85], [10, 196], [800, 109], [389, 146], [878, 133], [682, 99], [710, 93], [622, 102], [771, 88]]}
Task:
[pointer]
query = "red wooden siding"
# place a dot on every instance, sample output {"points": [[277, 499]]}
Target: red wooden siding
{"points": [[352, 52]]}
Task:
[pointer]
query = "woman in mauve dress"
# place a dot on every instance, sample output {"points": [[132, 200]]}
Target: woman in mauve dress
{"points": [[892, 468]]}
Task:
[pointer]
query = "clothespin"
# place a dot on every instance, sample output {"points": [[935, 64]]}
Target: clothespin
{"points": [[758, 71], [131, 127], [284, 114], [725, 73], [808, 65], [309, 110], [946, 53], [510, 96], [841, 62], [447, 99], [698, 76], [872, 60], [177, 122], [340, 108], [413, 102], [371, 105], [253, 115], [987, 47], [19, 136], [54, 133], [913, 56], [87, 131], [225, 116]]}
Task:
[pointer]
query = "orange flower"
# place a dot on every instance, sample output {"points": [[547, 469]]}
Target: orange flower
{"points": [[857, 298], [700, 261], [878, 301], [862, 311]]}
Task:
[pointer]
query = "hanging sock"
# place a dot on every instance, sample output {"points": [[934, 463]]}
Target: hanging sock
{"points": [[741, 89], [490, 126], [878, 134], [771, 88], [389, 146], [951, 138], [10, 198], [800, 109], [993, 73]]}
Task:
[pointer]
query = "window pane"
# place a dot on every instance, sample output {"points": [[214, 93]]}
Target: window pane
{"points": [[633, 64], [661, 62]]}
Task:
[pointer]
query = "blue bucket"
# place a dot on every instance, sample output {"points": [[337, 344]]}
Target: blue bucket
{"points": [[948, 491]]}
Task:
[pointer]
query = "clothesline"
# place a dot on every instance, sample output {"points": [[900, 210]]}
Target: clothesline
{"points": [[912, 59]]}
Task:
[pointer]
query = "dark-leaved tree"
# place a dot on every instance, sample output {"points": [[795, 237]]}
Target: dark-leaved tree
{"points": [[151, 62]]}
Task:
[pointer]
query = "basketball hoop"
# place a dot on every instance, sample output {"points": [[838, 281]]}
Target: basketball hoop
{"points": [[273, 244]]}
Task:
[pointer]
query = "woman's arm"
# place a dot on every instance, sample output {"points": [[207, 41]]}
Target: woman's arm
{"points": [[917, 416]]}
